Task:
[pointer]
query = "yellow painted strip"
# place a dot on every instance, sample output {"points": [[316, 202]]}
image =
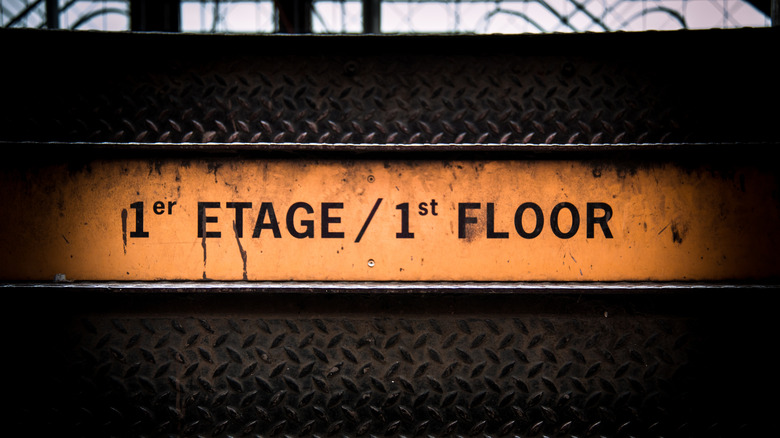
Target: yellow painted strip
{"points": [[228, 219]]}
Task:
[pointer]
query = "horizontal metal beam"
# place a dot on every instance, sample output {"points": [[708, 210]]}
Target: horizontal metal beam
{"points": [[629, 218], [155, 15], [348, 287]]}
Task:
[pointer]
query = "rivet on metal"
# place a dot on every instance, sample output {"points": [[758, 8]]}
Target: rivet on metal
{"points": [[350, 68], [370, 178], [371, 263]]}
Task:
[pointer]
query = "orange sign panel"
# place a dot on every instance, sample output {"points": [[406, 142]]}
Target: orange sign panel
{"points": [[377, 220]]}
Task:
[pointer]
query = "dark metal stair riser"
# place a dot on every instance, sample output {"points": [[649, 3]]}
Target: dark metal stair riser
{"points": [[236, 364], [590, 89]]}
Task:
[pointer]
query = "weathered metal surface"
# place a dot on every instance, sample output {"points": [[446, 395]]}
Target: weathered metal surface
{"points": [[429, 359], [555, 89], [387, 287], [251, 363], [323, 219]]}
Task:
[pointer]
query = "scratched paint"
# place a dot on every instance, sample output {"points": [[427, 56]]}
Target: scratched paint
{"points": [[231, 219]]}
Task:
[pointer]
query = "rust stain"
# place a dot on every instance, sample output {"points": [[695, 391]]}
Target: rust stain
{"points": [[678, 232], [124, 230], [214, 168], [240, 249], [155, 167], [203, 245]]}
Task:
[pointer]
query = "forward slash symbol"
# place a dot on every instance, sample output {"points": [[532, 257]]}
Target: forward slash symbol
{"points": [[368, 220]]}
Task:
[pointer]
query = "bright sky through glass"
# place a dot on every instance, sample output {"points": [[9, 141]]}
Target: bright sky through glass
{"points": [[508, 16]]}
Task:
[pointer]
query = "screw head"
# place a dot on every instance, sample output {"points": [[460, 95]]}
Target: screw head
{"points": [[370, 178], [350, 68]]}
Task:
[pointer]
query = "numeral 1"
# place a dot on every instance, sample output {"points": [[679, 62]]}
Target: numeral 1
{"points": [[139, 220], [404, 234]]}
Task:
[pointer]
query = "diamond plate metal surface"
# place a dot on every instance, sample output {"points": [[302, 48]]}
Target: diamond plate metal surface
{"points": [[563, 90], [335, 362], [243, 364]]}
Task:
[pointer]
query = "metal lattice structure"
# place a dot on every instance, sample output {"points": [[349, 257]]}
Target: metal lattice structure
{"points": [[353, 16]]}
